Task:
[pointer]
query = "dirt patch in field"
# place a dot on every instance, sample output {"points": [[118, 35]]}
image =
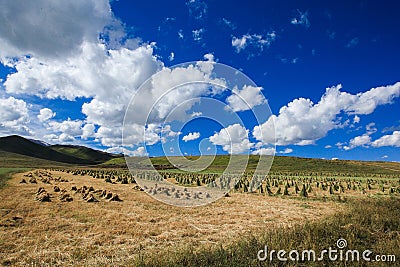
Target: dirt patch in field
{"points": [[82, 232]]}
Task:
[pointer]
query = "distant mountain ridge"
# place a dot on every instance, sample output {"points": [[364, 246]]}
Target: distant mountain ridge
{"points": [[60, 153]]}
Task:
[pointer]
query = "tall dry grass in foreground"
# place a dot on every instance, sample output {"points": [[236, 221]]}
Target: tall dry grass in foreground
{"points": [[372, 224]]}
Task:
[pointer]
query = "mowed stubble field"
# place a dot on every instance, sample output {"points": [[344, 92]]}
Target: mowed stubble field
{"points": [[84, 233]]}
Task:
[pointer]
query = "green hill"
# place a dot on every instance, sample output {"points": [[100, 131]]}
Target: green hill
{"points": [[84, 153], [19, 145], [297, 164], [116, 162], [287, 164]]}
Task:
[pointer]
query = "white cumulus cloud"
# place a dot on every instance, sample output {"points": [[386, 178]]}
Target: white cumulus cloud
{"points": [[14, 117], [388, 140], [245, 98], [233, 139], [88, 130], [366, 141], [286, 151], [45, 114], [68, 127], [191, 136], [363, 140], [108, 75], [50, 28], [302, 122]]}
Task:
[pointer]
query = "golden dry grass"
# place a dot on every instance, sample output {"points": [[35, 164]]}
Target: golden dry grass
{"points": [[78, 233]]}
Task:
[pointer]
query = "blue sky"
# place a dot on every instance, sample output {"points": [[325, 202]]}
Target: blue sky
{"points": [[68, 72]]}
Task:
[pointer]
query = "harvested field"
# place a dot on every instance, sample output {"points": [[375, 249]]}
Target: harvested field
{"points": [[83, 232]]}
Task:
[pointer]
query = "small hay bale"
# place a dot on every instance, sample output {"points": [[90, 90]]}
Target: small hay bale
{"points": [[66, 198], [43, 197], [115, 197], [91, 199], [40, 190], [108, 195]]}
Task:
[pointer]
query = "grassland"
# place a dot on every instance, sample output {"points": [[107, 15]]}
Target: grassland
{"points": [[286, 164], [14, 160], [17, 150], [358, 201], [6, 174], [84, 153], [80, 233], [378, 232]]}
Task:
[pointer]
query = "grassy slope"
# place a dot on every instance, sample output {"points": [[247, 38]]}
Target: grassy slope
{"points": [[294, 164], [84, 153], [13, 160], [20, 145], [120, 162]]}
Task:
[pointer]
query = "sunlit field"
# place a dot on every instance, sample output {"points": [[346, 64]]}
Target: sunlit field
{"points": [[101, 216]]}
